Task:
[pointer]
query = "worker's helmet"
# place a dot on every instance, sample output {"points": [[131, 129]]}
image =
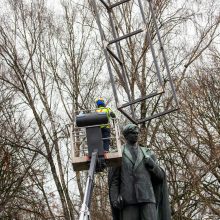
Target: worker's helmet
{"points": [[100, 102]]}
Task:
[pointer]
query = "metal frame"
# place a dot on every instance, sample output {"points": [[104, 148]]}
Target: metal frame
{"points": [[118, 57]]}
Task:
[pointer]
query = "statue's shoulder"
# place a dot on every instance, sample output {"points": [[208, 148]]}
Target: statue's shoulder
{"points": [[123, 147], [146, 150]]}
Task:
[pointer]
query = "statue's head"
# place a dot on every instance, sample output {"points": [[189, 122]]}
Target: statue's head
{"points": [[130, 133]]}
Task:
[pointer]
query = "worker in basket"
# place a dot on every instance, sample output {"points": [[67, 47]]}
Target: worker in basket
{"points": [[101, 107]]}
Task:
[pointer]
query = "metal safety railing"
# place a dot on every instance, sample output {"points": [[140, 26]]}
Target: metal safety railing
{"points": [[79, 142], [80, 155]]}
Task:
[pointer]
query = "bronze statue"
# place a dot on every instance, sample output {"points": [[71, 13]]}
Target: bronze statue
{"points": [[138, 189]]}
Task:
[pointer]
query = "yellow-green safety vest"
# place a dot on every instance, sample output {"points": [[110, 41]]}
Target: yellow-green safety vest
{"points": [[107, 111]]}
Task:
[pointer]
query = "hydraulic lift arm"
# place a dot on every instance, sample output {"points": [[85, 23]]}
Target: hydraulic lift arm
{"points": [[84, 212]]}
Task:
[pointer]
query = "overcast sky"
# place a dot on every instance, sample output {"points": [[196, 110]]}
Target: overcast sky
{"points": [[54, 5]]}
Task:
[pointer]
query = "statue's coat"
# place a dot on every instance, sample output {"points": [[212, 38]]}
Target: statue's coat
{"points": [[137, 184]]}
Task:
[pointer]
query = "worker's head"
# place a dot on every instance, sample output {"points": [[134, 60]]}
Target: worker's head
{"points": [[100, 102], [130, 133]]}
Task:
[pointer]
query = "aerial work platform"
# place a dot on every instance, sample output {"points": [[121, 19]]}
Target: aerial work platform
{"points": [[88, 152], [85, 134], [159, 96]]}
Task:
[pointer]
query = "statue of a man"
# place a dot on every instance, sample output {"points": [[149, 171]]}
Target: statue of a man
{"points": [[138, 189]]}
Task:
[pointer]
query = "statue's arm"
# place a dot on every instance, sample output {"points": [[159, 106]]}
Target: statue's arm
{"points": [[114, 184], [153, 166]]}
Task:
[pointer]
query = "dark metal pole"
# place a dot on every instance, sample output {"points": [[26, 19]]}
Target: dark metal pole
{"points": [[151, 45], [125, 36], [118, 3], [104, 44], [163, 52], [124, 72]]}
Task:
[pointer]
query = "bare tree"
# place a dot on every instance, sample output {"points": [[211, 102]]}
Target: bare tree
{"points": [[191, 147], [44, 62], [18, 194], [53, 67]]}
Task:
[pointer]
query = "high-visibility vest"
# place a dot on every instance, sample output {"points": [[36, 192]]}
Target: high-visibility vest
{"points": [[107, 111]]}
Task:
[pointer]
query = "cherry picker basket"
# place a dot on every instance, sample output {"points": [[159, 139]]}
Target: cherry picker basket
{"points": [[79, 147]]}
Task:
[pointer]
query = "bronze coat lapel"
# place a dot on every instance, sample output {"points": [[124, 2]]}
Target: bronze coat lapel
{"points": [[140, 157], [128, 154]]}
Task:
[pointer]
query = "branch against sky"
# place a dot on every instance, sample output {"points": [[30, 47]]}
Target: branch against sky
{"points": [[44, 61], [53, 66], [190, 144]]}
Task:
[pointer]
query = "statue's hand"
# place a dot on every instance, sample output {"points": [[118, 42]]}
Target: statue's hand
{"points": [[119, 203], [149, 162], [112, 114]]}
